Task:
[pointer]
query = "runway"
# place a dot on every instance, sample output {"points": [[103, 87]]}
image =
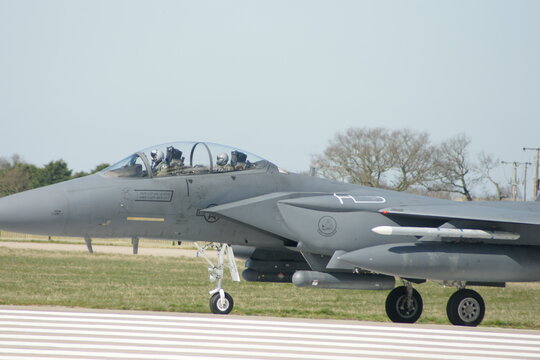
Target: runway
{"points": [[51, 333]]}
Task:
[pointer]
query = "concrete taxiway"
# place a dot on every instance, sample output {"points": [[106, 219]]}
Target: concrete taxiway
{"points": [[63, 333], [105, 249]]}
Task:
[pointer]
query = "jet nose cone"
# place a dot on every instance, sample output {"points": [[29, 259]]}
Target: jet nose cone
{"points": [[39, 211]]}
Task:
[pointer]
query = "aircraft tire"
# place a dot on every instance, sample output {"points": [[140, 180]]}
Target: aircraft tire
{"points": [[219, 307], [466, 308], [397, 308]]}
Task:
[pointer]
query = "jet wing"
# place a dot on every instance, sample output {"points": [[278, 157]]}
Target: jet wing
{"points": [[465, 211]]}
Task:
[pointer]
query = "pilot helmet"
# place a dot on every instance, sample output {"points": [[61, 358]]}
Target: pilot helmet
{"points": [[222, 159], [157, 155]]}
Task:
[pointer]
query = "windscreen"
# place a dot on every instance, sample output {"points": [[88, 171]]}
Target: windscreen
{"points": [[132, 166]]}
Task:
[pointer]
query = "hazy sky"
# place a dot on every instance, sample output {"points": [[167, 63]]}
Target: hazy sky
{"points": [[93, 81]]}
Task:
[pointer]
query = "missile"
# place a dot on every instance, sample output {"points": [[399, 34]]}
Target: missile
{"points": [[446, 261], [444, 232]]}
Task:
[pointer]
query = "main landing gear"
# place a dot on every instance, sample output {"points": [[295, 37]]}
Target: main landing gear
{"points": [[465, 307], [221, 302], [404, 304]]}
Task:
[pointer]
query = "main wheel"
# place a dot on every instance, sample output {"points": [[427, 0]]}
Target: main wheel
{"points": [[217, 306], [466, 308], [402, 309]]}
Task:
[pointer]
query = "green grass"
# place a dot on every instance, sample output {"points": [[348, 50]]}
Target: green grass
{"points": [[30, 277]]}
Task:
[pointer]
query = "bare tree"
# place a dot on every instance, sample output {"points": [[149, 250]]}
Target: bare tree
{"points": [[405, 160], [486, 164], [6, 163], [358, 156], [411, 157], [452, 171], [398, 159]]}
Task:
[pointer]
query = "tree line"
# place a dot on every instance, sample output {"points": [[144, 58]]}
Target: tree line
{"points": [[405, 160], [16, 175]]}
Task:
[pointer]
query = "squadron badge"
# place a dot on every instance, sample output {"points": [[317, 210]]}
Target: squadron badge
{"points": [[327, 226]]}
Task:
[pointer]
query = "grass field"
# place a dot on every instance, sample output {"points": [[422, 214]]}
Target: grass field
{"points": [[30, 277]]}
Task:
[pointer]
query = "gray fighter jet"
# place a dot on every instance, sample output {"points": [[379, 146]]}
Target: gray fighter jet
{"points": [[293, 228]]}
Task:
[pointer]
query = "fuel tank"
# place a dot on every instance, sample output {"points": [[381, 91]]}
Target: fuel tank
{"points": [[448, 261], [343, 280]]}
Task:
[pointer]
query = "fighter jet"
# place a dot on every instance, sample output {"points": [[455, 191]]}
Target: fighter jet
{"points": [[293, 228]]}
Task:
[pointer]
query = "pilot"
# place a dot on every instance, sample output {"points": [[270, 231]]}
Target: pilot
{"points": [[174, 160], [157, 161], [221, 161], [238, 160]]}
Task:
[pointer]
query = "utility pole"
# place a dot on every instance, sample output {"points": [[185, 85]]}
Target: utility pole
{"points": [[515, 166], [536, 183], [514, 177], [525, 166]]}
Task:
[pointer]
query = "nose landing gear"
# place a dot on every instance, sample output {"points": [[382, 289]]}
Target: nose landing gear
{"points": [[221, 302]]}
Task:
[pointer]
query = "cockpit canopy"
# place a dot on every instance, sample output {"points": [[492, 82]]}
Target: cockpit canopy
{"points": [[185, 158]]}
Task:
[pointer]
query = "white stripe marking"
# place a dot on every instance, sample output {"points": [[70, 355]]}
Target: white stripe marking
{"points": [[211, 349], [215, 320], [237, 336], [313, 347], [166, 337], [280, 330]]}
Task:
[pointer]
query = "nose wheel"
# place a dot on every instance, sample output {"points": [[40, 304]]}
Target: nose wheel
{"points": [[221, 302]]}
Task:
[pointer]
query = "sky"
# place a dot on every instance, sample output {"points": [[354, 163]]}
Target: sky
{"points": [[94, 81]]}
